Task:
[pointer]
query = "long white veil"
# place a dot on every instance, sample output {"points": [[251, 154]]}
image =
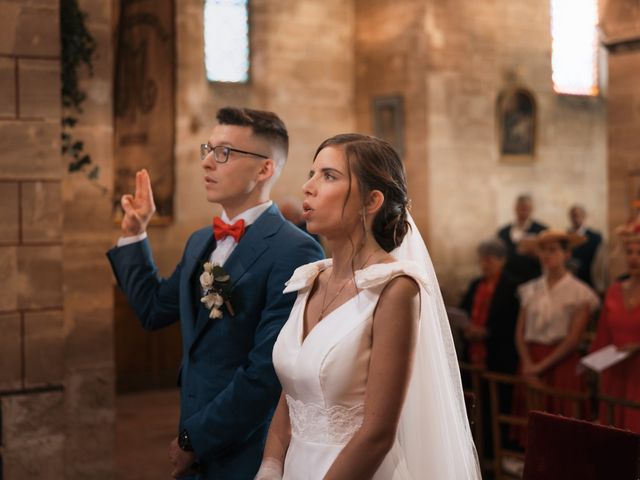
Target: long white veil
{"points": [[434, 430]]}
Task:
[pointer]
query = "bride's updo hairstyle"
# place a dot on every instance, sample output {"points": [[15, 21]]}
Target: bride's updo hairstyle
{"points": [[377, 166]]}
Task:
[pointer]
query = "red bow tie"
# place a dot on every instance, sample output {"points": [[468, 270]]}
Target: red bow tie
{"points": [[222, 229]]}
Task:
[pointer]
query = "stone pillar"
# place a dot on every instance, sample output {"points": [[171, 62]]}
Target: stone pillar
{"points": [[56, 367], [88, 292], [31, 238], [620, 24]]}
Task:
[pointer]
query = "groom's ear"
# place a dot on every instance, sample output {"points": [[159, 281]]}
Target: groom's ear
{"points": [[375, 199]]}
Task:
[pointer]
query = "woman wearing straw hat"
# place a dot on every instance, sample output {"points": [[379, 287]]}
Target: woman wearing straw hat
{"points": [[554, 313], [619, 325]]}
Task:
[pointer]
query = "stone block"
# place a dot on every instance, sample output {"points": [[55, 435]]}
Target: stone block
{"points": [[10, 279], [44, 348], [7, 87], [90, 396], [40, 274], [28, 417], [89, 341], [10, 351], [9, 218], [39, 88], [30, 28], [30, 150], [41, 212], [41, 458]]}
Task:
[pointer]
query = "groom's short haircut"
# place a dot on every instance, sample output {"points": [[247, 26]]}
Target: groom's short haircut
{"points": [[266, 125]]}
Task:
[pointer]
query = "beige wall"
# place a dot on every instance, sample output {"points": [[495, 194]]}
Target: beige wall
{"points": [[450, 60], [620, 20], [56, 367], [302, 68]]}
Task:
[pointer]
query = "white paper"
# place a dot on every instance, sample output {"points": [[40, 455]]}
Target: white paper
{"points": [[458, 317], [604, 358]]}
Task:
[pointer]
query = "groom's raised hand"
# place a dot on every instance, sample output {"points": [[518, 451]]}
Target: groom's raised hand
{"points": [[139, 208]]}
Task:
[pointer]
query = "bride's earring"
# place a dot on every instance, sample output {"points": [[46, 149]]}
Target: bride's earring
{"points": [[364, 226]]}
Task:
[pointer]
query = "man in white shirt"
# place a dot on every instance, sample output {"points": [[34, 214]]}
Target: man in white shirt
{"points": [[226, 292]]}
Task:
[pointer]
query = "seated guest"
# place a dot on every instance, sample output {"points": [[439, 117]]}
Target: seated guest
{"points": [[583, 256], [522, 262], [554, 312], [619, 325], [492, 305]]}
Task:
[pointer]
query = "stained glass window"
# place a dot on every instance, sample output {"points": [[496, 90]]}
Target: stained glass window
{"points": [[226, 40], [574, 57]]}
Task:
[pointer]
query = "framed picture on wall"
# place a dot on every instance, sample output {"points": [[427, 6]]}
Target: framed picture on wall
{"points": [[516, 125], [388, 120]]}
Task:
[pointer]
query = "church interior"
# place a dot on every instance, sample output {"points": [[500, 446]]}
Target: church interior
{"points": [[486, 101]]}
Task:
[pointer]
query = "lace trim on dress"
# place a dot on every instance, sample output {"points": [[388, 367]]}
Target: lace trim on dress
{"points": [[333, 425]]}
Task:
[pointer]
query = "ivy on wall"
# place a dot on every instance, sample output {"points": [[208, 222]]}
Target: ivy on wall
{"points": [[78, 47]]}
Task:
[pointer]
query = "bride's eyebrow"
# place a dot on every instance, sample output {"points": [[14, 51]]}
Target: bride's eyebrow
{"points": [[331, 170]]}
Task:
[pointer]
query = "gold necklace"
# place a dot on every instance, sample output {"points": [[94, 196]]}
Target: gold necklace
{"points": [[324, 297]]}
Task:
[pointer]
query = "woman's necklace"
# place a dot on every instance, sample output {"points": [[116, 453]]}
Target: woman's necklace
{"points": [[325, 306]]}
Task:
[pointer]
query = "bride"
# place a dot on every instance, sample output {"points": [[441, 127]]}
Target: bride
{"points": [[371, 387]]}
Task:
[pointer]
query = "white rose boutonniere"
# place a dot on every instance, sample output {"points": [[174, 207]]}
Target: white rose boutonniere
{"points": [[216, 289]]}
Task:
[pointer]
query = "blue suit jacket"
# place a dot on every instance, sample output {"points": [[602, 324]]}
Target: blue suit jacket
{"points": [[229, 388]]}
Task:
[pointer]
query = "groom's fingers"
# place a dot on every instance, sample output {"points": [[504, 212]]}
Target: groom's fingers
{"points": [[127, 203]]}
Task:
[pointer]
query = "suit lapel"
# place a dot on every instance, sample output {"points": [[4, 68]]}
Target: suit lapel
{"points": [[193, 263], [248, 251]]}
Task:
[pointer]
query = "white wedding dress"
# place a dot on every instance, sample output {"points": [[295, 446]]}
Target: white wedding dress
{"points": [[324, 378]]}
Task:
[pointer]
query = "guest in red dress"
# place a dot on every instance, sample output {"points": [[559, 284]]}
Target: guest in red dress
{"points": [[620, 325], [554, 312]]}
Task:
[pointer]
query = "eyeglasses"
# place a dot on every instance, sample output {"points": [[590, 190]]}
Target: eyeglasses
{"points": [[221, 152]]}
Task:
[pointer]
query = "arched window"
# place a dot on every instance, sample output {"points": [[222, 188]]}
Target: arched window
{"points": [[574, 49], [226, 40]]}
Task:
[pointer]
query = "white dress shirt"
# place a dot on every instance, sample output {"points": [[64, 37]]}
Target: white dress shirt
{"points": [[224, 246], [549, 311]]}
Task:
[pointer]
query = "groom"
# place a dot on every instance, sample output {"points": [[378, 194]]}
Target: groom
{"points": [[228, 385]]}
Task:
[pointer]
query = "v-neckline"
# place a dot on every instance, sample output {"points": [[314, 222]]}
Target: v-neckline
{"points": [[303, 338]]}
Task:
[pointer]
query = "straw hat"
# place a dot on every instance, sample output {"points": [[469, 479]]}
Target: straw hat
{"points": [[629, 232], [555, 235]]}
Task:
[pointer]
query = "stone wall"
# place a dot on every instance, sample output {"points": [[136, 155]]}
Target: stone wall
{"points": [[302, 67], [450, 60], [620, 20], [55, 367]]}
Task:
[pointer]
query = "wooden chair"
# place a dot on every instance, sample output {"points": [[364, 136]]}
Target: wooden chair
{"points": [[562, 448], [500, 419], [611, 404], [538, 397], [473, 401]]}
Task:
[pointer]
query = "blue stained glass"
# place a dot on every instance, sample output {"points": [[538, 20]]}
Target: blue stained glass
{"points": [[226, 40], [574, 57]]}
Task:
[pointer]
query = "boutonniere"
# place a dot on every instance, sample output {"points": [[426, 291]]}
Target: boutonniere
{"points": [[216, 286]]}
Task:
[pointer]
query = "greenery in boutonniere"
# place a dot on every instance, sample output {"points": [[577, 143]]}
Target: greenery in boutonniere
{"points": [[216, 287]]}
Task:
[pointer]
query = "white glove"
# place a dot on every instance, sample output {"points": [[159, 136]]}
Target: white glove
{"points": [[270, 469]]}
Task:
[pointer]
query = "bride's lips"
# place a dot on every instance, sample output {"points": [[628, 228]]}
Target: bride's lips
{"points": [[306, 210]]}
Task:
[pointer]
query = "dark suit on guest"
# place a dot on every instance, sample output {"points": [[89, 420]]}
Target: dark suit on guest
{"points": [[501, 323], [521, 267], [582, 256], [228, 387], [502, 355]]}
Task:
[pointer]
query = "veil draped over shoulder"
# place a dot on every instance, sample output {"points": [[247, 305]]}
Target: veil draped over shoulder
{"points": [[434, 431]]}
